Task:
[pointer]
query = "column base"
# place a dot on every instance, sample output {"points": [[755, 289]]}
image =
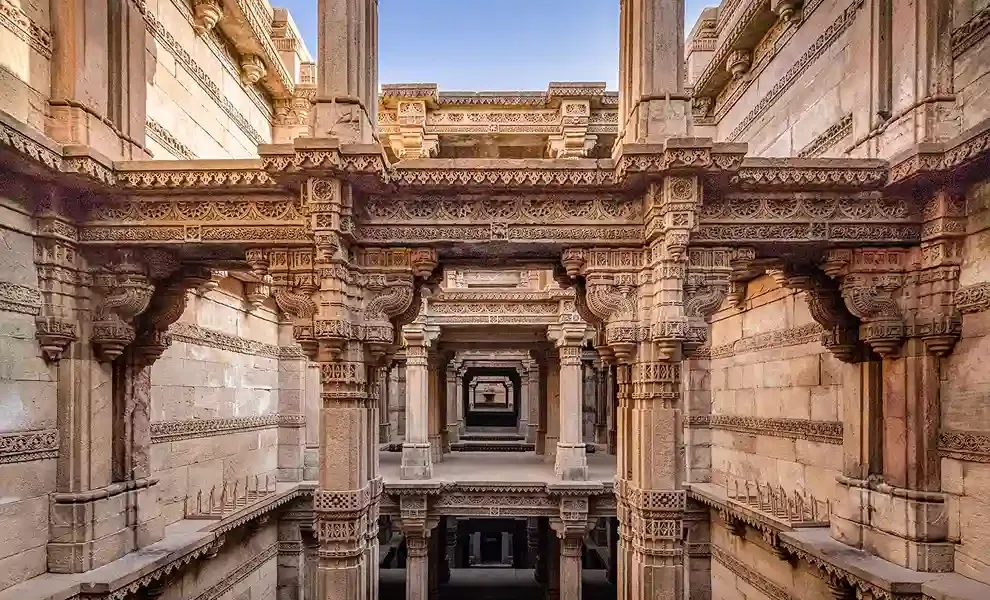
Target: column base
{"points": [[453, 433], [417, 461], [523, 426], [86, 533], [909, 532], [531, 432], [436, 447], [571, 462]]}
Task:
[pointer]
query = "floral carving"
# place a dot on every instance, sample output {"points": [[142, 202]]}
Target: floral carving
{"points": [[127, 292]]}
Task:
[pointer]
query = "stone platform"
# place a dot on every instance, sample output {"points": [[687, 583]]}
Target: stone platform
{"points": [[497, 468]]}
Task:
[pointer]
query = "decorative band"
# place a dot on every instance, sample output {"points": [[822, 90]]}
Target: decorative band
{"points": [[749, 575], [23, 446], [973, 446], [201, 336], [19, 298], [171, 431], [828, 432], [772, 339]]}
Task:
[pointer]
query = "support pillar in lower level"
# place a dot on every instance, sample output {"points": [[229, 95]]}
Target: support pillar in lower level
{"points": [[571, 461], [417, 461], [418, 532]]}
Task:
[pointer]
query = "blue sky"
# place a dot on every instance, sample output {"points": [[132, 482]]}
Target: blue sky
{"points": [[492, 44]]}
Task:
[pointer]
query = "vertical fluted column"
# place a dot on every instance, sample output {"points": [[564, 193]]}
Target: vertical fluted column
{"points": [[347, 63], [453, 399], [571, 462], [417, 462], [418, 566]]}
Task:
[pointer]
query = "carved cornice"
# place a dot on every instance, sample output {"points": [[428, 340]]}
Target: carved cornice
{"points": [[240, 573], [928, 165], [973, 298], [19, 298], [173, 431], [971, 32], [201, 336], [750, 575], [828, 138], [795, 336], [22, 446], [826, 432], [971, 446], [21, 25]]}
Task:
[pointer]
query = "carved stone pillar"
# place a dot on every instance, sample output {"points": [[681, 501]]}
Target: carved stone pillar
{"points": [[534, 399], [397, 400], [418, 530], [599, 369], [460, 401], [697, 552], [453, 399], [553, 567], [904, 299], [523, 400], [571, 461], [291, 569], [436, 406], [417, 461], [552, 418], [347, 63], [570, 544], [652, 103]]}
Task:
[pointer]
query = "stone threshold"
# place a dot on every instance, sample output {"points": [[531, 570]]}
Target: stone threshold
{"points": [[185, 541], [870, 573]]}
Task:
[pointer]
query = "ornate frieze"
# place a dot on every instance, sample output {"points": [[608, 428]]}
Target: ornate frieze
{"points": [[173, 431], [971, 32], [973, 298], [19, 298], [827, 432], [201, 336], [828, 138], [20, 24], [795, 336], [965, 445], [157, 132], [246, 569], [21, 446]]}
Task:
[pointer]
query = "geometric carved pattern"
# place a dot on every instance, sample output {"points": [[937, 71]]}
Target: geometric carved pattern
{"points": [[973, 298], [241, 572], [14, 19], [22, 446], [171, 431], [827, 432], [19, 298], [209, 338], [973, 446], [795, 336]]}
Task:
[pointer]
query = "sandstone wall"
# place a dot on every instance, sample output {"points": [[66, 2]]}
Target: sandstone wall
{"points": [[965, 406], [774, 389], [25, 63], [809, 90], [197, 105], [219, 396], [28, 411], [244, 569], [746, 569]]}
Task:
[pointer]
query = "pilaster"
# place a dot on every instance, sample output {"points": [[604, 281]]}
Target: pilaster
{"points": [[571, 462], [535, 400], [453, 399], [571, 528], [418, 530], [417, 461]]}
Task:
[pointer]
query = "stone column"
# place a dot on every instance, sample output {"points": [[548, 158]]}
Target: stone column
{"points": [[571, 461], [542, 551], [347, 76], [435, 404], [534, 399], [453, 399], [697, 433], [292, 394], [460, 401], [417, 462], [601, 403], [570, 546], [552, 416], [589, 397], [613, 408], [523, 400], [652, 102], [553, 568], [397, 400], [417, 531], [291, 569]]}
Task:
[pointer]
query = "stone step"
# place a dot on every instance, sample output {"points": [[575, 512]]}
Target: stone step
{"points": [[493, 437], [492, 446]]}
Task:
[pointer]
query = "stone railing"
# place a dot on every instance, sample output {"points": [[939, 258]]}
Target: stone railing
{"points": [[794, 508], [231, 497]]}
